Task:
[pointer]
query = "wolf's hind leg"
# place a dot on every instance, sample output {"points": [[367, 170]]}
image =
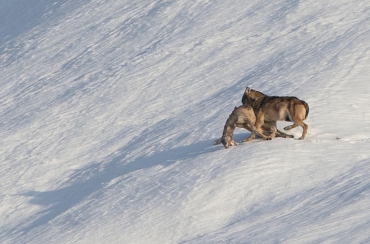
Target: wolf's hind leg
{"points": [[290, 126], [303, 125], [304, 133]]}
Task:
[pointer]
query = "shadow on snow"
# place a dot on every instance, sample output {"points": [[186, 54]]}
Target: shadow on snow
{"points": [[91, 179]]}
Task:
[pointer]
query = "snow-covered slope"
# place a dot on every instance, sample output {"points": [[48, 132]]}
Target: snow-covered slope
{"points": [[108, 111]]}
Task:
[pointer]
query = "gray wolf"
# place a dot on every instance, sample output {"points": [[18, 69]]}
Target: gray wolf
{"points": [[274, 108], [244, 117]]}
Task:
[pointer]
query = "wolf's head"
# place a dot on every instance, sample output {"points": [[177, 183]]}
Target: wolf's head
{"points": [[250, 96]]}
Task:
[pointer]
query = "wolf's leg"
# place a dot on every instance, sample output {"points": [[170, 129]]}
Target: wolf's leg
{"points": [[269, 129], [282, 134], [262, 135], [290, 126], [257, 127], [247, 126], [279, 133], [304, 133], [303, 125], [299, 115], [249, 138], [273, 130]]}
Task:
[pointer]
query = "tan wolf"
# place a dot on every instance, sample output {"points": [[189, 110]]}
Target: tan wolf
{"points": [[274, 108], [243, 117]]}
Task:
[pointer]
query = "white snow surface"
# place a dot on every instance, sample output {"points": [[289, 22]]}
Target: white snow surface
{"points": [[108, 111]]}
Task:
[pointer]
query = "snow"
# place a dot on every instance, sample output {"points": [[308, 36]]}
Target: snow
{"points": [[108, 111]]}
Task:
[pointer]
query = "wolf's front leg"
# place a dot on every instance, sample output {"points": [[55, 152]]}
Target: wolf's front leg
{"points": [[282, 134], [257, 128]]}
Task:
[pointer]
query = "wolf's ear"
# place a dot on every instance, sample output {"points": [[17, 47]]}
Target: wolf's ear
{"points": [[247, 90]]}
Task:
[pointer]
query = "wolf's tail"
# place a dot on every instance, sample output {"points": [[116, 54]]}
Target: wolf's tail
{"points": [[307, 108]]}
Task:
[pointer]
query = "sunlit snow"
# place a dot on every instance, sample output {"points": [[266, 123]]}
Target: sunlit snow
{"points": [[108, 111]]}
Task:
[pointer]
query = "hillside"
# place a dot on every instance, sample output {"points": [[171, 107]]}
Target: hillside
{"points": [[108, 111]]}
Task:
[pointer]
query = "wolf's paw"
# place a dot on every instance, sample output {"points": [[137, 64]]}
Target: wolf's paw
{"points": [[247, 139], [233, 143], [301, 138], [216, 142]]}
